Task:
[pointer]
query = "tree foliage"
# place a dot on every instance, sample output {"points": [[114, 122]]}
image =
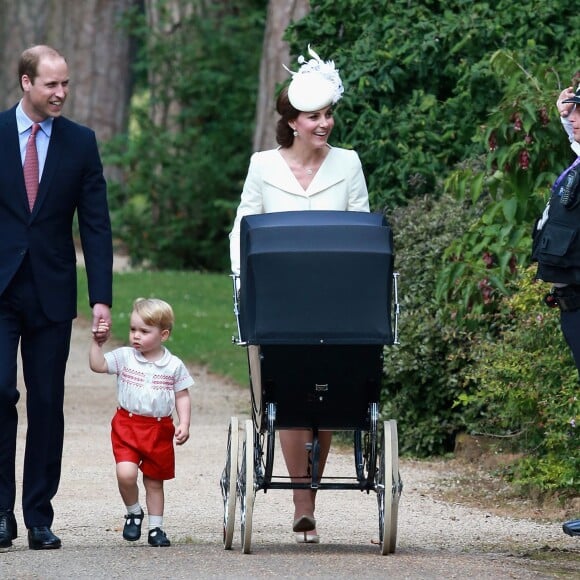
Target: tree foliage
{"points": [[453, 98], [456, 96], [419, 78], [525, 150], [427, 372], [419, 81], [530, 402], [186, 165]]}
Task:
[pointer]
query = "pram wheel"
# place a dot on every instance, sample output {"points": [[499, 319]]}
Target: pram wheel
{"points": [[228, 483], [389, 487], [246, 487], [365, 450]]}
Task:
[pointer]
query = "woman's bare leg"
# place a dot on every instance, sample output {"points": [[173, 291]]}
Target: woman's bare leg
{"points": [[293, 443]]}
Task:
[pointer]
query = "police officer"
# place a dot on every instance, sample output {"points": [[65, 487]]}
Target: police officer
{"points": [[557, 243]]}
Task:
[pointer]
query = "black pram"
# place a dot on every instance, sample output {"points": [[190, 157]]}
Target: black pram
{"points": [[313, 305]]}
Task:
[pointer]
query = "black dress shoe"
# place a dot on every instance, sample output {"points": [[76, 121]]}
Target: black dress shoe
{"points": [[41, 538], [158, 539], [572, 528], [132, 528], [8, 530]]}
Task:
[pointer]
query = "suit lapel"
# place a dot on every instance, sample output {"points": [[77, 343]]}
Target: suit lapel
{"points": [[12, 161]]}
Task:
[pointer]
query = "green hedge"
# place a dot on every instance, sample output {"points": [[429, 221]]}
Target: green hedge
{"points": [[528, 395], [427, 372]]}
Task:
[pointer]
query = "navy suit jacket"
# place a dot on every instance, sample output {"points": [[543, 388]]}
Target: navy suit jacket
{"points": [[72, 181]]}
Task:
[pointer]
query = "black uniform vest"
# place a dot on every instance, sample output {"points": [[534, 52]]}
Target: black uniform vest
{"points": [[556, 247]]}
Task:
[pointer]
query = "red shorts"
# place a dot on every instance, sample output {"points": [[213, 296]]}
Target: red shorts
{"points": [[145, 441]]}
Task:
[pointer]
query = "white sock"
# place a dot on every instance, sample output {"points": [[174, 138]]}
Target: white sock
{"points": [[134, 509], [155, 522]]}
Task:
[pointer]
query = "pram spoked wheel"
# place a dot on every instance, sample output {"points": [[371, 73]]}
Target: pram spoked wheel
{"points": [[389, 487], [228, 483], [246, 487]]}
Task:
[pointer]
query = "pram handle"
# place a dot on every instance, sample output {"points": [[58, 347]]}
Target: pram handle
{"points": [[236, 297], [397, 307]]}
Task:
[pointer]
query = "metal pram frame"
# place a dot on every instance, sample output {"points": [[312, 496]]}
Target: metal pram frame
{"points": [[315, 362]]}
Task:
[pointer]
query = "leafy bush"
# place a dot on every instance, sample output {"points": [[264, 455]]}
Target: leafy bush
{"points": [[524, 149], [528, 390], [419, 81], [507, 373], [426, 372], [191, 133]]}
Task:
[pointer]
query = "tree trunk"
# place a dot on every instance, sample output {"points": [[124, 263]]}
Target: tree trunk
{"points": [[22, 24], [99, 53], [165, 20], [97, 49], [275, 53]]}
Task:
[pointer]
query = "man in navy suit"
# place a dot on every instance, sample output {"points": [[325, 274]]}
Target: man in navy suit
{"points": [[38, 293]]}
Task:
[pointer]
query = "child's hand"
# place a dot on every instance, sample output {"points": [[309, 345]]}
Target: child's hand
{"points": [[181, 434], [101, 333]]}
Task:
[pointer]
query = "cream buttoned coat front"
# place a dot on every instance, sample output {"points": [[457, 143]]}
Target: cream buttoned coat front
{"points": [[271, 186]]}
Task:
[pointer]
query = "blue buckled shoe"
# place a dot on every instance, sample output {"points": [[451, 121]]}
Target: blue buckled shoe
{"points": [[132, 527], [572, 528], [158, 539]]}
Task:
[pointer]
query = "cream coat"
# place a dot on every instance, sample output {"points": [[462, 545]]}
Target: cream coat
{"points": [[270, 186]]}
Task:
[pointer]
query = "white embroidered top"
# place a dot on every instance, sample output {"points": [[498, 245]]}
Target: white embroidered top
{"points": [[145, 387]]}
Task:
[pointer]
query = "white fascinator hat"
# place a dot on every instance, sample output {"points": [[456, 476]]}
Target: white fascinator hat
{"points": [[315, 85]]}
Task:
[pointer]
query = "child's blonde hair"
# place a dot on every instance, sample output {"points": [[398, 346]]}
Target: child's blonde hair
{"points": [[155, 312]]}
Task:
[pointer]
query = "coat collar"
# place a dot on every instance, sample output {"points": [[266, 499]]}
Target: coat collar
{"points": [[276, 172], [161, 362]]}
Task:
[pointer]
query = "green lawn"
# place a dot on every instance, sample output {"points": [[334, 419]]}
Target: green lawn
{"points": [[204, 318]]}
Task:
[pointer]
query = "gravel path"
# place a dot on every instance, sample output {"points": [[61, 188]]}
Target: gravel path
{"points": [[435, 540]]}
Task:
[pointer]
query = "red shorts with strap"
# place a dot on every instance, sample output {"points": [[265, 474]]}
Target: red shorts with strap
{"points": [[145, 441]]}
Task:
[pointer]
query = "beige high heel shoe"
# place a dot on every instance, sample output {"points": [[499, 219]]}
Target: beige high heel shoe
{"points": [[306, 538], [304, 524]]}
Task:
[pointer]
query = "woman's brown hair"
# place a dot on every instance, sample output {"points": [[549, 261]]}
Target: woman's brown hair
{"points": [[285, 133]]}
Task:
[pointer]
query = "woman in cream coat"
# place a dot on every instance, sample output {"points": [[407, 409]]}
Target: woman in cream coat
{"points": [[301, 177], [303, 173]]}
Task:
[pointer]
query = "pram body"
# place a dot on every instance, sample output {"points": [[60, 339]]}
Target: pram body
{"points": [[315, 304]]}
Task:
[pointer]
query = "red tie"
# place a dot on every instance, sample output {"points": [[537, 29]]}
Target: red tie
{"points": [[31, 167]]}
